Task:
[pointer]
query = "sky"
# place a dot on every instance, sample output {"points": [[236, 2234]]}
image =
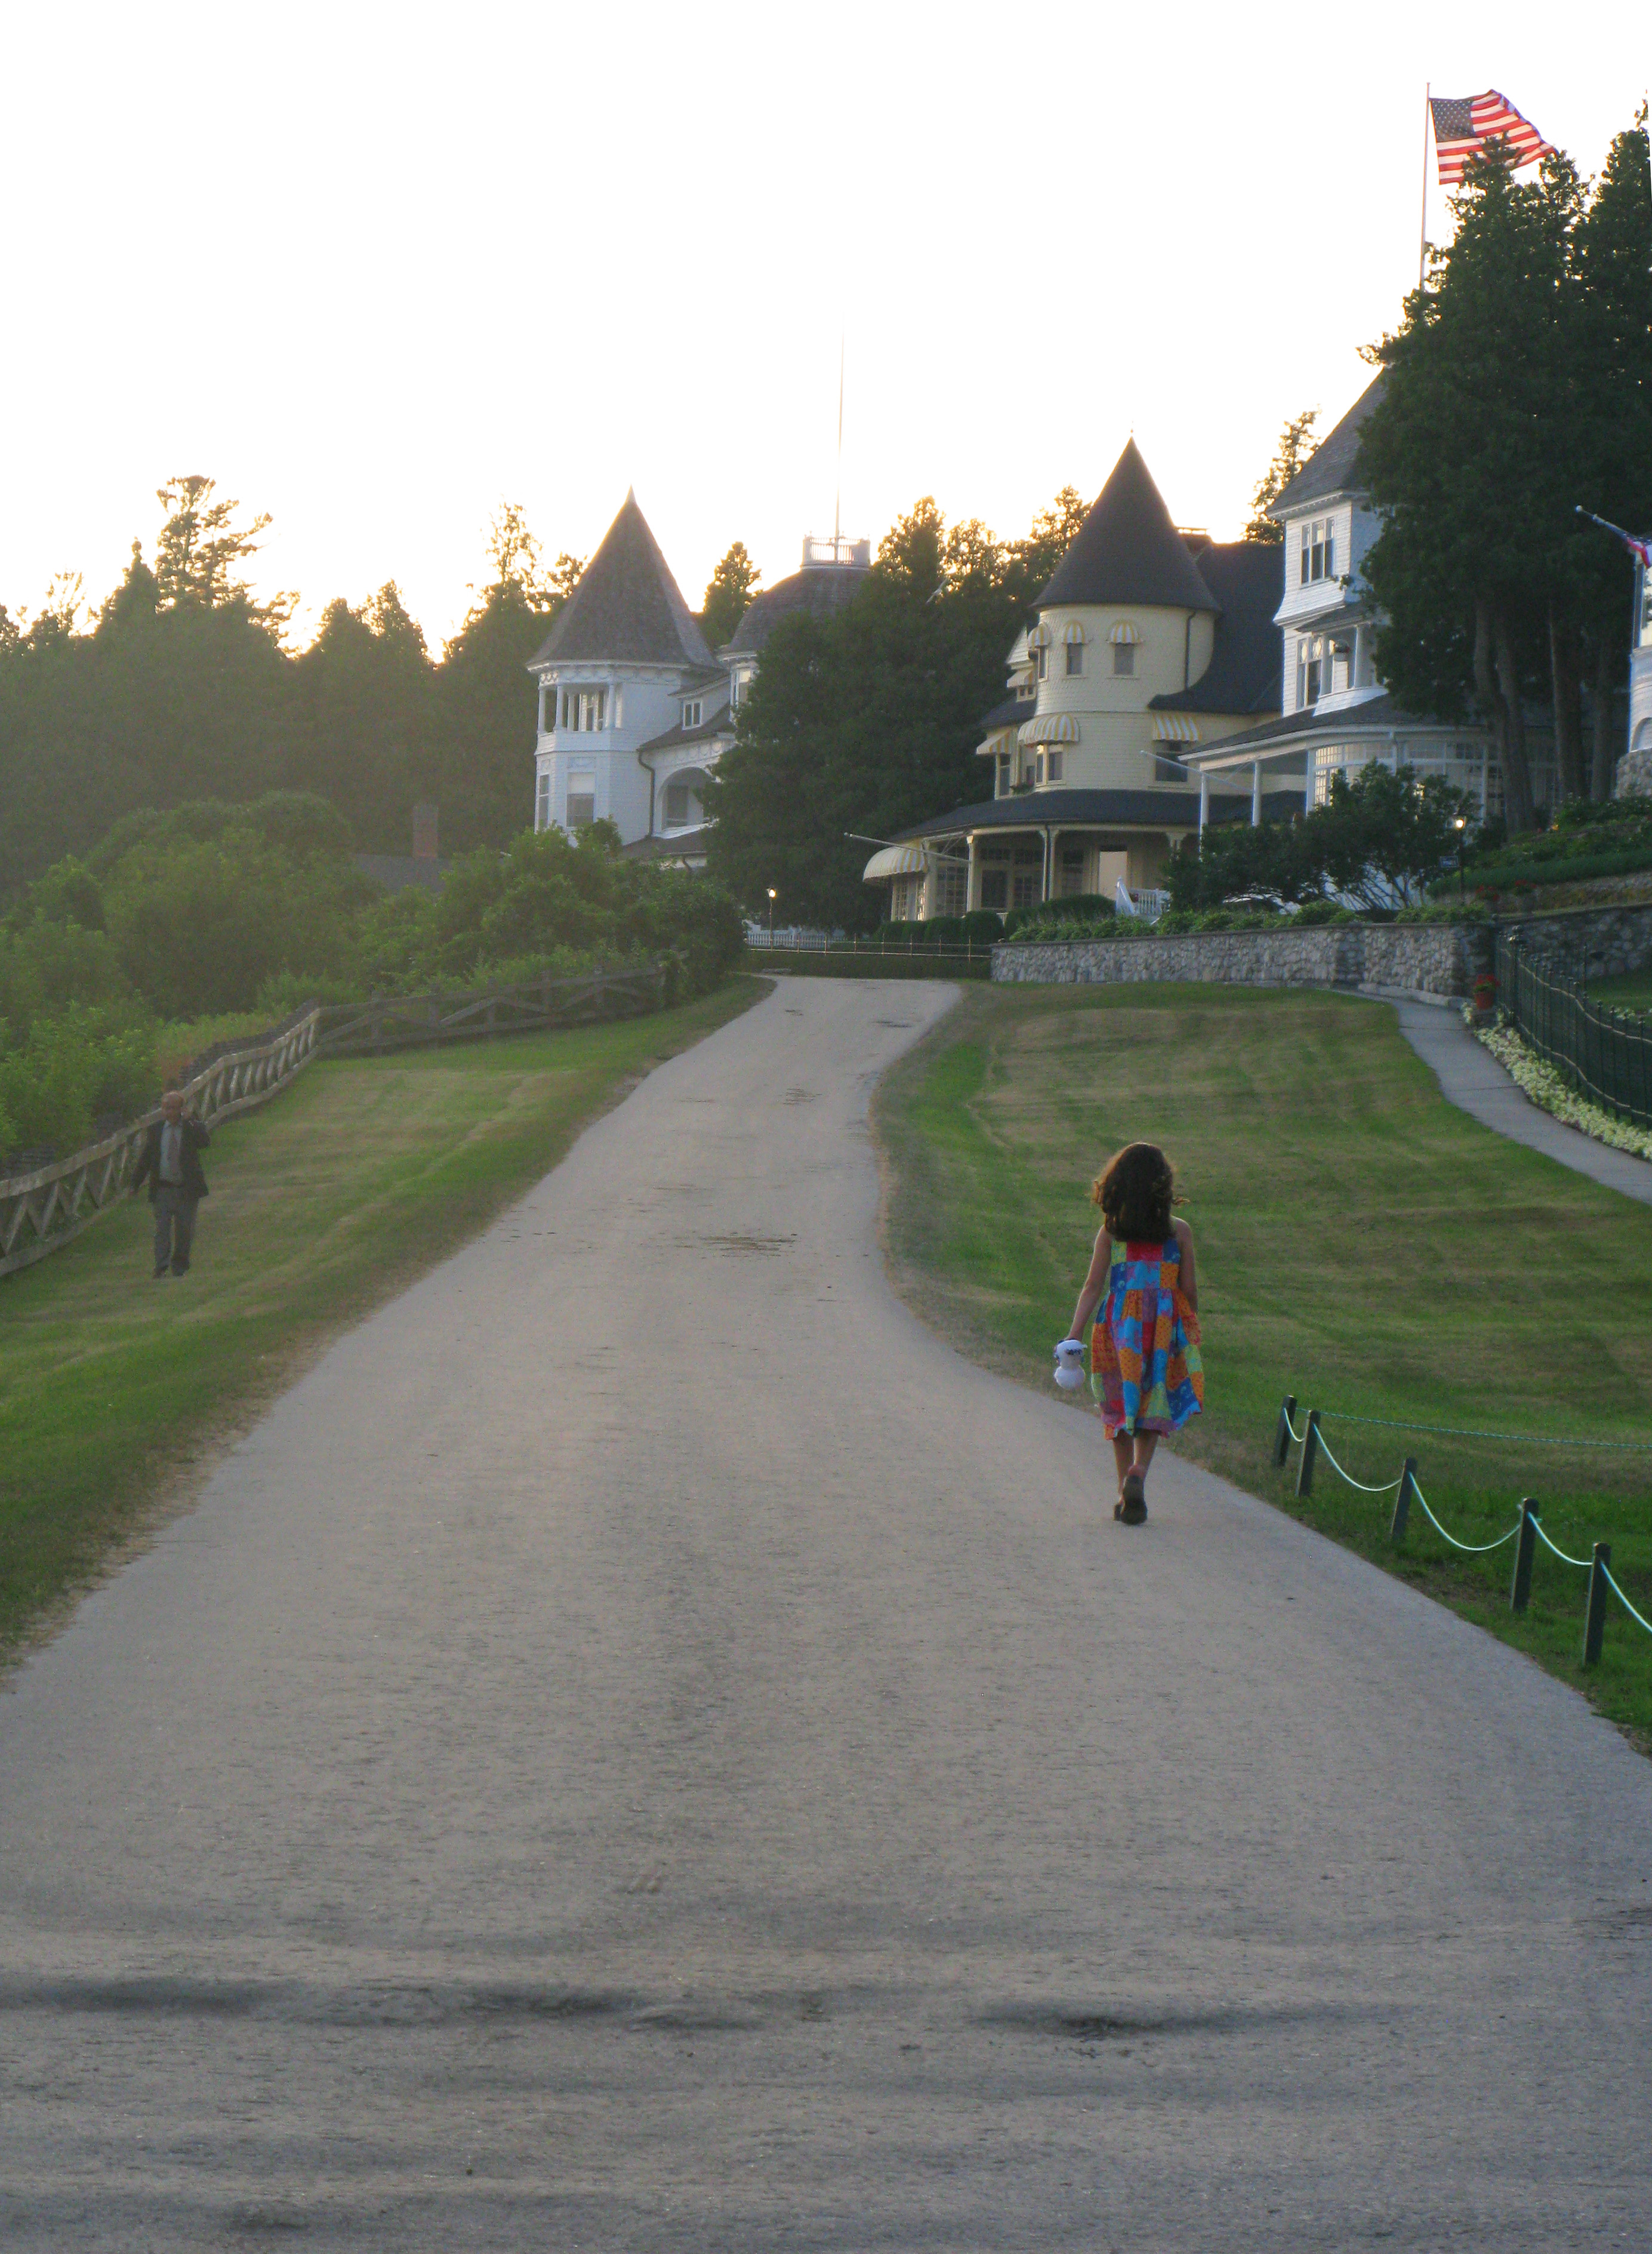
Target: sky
{"points": [[378, 269]]}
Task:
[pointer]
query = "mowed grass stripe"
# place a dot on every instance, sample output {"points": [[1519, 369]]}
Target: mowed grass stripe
{"points": [[1361, 1243], [347, 1186]]}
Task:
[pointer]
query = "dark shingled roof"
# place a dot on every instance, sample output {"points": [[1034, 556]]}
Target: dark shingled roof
{"points": [[1011, 708], [1247, 577], [720, 723], [1329, 469], [1127, 550], [1092, 809], [823, 590], [1347, 721], [626, 605], [685, 844]]}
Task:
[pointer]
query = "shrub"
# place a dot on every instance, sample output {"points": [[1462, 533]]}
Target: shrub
{"points": [[983, 926]]}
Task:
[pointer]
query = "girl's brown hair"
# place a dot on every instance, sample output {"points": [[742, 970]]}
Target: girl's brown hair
{"points": [[1136, 1190]]}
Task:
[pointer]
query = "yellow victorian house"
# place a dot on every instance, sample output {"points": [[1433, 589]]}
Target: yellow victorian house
{"points": [[1146, 642]]}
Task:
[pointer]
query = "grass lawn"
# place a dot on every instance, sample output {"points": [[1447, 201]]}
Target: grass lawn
{"points": [[1632, 992], [1361, 1244], [346, 1186]]}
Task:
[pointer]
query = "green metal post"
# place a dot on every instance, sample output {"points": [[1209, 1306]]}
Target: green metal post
{"points": [[1525, 1551], [1402, 1501], [1282, 1430], [1594, 1623], [1310, 1452]]}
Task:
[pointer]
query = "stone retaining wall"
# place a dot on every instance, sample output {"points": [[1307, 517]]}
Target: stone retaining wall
{"points": [[1421, 958], [1606, 941]]}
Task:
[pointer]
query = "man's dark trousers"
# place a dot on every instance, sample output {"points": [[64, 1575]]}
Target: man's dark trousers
{"points": [[174, 1208]]}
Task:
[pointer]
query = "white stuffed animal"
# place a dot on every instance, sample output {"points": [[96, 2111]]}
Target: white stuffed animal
{"points": [[1069, 1364]]}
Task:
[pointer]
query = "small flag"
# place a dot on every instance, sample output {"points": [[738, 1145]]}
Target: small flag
{"points": [[1466, 128], [1641, 550]]}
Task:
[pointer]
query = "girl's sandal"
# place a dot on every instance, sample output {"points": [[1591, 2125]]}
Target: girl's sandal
{"points": [[1132, 1501]]}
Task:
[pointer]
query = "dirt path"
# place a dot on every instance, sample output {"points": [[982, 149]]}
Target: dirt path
{"points": [[645, 1749]]}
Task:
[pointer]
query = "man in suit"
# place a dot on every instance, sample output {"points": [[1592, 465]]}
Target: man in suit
{"points": [[170, 1163]]}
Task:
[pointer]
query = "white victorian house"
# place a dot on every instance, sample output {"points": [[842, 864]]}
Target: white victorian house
{"points": [[1335, 716], [634, 708]]}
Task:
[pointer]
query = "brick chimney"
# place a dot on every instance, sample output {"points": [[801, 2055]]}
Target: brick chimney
{"points": [[425, 830]]}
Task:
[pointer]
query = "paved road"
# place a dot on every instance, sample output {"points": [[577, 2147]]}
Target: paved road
{"points": [[1472, 1078], [645, 1749]]}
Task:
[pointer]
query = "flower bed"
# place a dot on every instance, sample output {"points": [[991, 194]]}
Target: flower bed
{"points": [[1547, 1089]]}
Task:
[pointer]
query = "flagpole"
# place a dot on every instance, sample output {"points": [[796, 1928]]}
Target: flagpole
{"points": [[1422, 243]]}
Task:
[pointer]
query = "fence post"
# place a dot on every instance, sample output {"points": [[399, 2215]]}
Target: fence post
{"points": [[1525, 1550], [1310, 1450], [1402, 1501], [1282, 1430], [1594, 1623]]}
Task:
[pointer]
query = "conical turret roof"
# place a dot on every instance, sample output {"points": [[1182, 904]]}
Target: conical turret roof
{"points": [[1127, 550], [626, 605]]}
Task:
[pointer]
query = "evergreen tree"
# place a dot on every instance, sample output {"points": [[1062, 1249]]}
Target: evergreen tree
{"points": [[1295, 444], [729, 589]]}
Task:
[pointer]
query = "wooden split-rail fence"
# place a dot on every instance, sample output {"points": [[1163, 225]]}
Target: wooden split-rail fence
{"points": [[46, 1208]]}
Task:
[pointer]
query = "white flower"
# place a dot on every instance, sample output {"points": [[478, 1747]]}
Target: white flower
{"points": [[1544, 1085]]}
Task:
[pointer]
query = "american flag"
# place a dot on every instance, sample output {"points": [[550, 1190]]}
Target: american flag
{"points": [[1465, 128]]}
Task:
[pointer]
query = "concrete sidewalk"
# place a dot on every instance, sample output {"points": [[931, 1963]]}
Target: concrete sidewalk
{"points": [[1471, 1078]]}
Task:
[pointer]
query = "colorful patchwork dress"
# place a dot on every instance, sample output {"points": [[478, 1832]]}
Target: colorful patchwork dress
{"points": [[1145, 1365]]}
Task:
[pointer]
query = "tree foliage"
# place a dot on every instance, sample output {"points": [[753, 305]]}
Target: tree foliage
{"points": [[867, 722], [1382, 835], [1518, 387], [1295, 444], [728, 590]]}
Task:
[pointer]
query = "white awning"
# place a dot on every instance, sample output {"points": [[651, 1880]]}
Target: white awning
{"points": [[1050, 728], [1123, 632], [1075, 632], [1041, 637], [895, 861], [1001, 739], [1173, 728]]}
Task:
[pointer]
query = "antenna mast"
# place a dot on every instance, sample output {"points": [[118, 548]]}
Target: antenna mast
{"points": [[837, 502]]}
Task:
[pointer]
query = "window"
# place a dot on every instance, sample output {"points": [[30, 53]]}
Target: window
{"points": [[1124, 658], [1027, 888], [1039, 774], [1069, 881], [1318, 555], [676, 802], [1053, 766], [734, 692], [582, 806], [949, 884], [1044, 664], [691, 712], [1003, 790], [542, 808], [995, 888], [547, 707], [1074, 658], [1165, 770], [584, 710], [1311, 670]]}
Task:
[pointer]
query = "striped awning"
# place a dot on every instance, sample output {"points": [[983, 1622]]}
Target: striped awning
{"points": [[1174, 728], [1001, 739], [895, 861], [1123, 632], [1041, 637], [1075, 632], [1050, 728]]}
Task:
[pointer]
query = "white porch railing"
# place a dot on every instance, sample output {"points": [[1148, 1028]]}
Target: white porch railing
{"points": [[1146, 901]]}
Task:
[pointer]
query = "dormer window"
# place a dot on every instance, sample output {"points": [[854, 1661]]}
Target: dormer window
{"points": [[691, 712], [1318, 553]]}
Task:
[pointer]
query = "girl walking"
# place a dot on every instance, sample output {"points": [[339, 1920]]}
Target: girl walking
{"points": [[1145, 1371]]}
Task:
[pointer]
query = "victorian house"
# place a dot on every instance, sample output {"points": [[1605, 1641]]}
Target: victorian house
{"points": [[1147, 642], [1334, 715], [634, 708]]}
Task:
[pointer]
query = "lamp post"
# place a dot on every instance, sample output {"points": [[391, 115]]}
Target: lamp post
{"points": [[771, 916], [1460, 825]]}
